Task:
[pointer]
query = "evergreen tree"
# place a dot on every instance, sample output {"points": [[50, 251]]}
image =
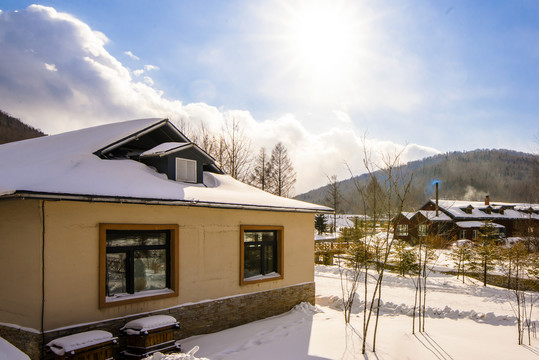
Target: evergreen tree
{"points": [[486, 248], [320, 223], [406, 259]]}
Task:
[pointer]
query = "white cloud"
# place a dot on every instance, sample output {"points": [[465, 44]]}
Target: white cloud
{"points": [[147, 68], [50, 67], [151, 67], [131, 55], [93, 88]]}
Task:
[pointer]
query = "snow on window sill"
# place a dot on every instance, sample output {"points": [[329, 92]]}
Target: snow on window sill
{"points": [[262, 277], [139, 295]]}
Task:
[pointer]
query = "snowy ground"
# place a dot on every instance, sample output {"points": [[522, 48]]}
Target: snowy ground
{"points": [[466, 321]]}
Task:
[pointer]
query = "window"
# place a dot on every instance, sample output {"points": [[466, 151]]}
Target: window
{"points": [[137, 262], [422, 230], [186, 170], [261, 253], [402, 230], [475, 234], [462, 234]]}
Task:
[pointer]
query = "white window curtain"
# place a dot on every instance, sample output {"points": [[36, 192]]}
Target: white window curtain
{"points": [[186, 170]]}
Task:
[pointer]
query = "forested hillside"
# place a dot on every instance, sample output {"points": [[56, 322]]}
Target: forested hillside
{"points": [[505, 175], [12, 129]]}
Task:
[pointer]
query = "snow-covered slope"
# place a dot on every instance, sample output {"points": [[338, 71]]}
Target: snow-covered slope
{"points": [[465, 321]]}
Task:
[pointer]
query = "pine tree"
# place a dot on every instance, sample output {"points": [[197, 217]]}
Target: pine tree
{"points": [[486, 249], [320, 223]]}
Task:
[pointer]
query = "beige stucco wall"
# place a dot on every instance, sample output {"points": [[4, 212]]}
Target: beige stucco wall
{"points": [[20, 263], [209, 255]]}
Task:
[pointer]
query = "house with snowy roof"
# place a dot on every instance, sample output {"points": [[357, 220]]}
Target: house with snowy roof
{"points": [[104, 224], [457, 219]]}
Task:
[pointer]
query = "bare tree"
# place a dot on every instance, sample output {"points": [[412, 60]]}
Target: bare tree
{"points": [[283, 176], [260, 176], [237, 150], [333, 198], [357, 255], [427, 259], [517, 263], [385, 193], [207, 141]]}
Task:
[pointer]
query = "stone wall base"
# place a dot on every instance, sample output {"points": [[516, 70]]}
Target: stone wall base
{"points": [[195, 319]]}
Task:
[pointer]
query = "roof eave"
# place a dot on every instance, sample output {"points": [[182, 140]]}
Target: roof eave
{"points": [[149, 201]]}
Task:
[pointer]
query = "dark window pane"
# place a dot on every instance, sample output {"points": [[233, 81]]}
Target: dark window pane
{"points": [[150, 270], [269, 263], [116, 274], [144, 255], [259, 252], [252, 260]]}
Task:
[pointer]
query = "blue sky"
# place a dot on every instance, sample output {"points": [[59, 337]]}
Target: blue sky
{"points": [[318, 75]]}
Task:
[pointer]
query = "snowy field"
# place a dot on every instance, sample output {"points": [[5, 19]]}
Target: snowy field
{"points": [[465, 321]]}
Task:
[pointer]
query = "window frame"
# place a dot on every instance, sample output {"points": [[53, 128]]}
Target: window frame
{"points": [[183, 162], [423, 230], [402, 229], [173, 266], [280, 252]]}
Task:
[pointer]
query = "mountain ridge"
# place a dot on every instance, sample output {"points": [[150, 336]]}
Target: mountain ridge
{"points": [[504, 175], [13, 129]]}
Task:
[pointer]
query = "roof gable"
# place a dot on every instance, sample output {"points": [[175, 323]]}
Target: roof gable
{"points": [[143, 140]]}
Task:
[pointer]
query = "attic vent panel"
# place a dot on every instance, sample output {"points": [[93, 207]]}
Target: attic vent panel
{"points": [[186, 170]]}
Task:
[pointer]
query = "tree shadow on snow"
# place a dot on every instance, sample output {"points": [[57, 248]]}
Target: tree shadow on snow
{"points": [[533, 349], [430, 344]]}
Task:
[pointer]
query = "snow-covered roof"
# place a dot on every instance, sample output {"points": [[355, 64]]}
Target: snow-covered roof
{"points": [[431, 215], [345, 220], [476, 224], [67, 165], [457, 209]]}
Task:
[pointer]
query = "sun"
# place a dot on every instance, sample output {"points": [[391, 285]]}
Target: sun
{"points": [[314, 50], [323, 39]]}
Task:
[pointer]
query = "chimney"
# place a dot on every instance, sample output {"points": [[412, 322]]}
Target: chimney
{"points": [[436, 199], [487, 200]]}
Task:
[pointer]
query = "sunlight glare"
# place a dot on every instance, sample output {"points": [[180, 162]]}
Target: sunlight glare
{"points": [[323, 40]]}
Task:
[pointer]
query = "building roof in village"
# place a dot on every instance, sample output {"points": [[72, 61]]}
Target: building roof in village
{"points": [[479, 210], [93, 164], [432, 216], [475, 224]]}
